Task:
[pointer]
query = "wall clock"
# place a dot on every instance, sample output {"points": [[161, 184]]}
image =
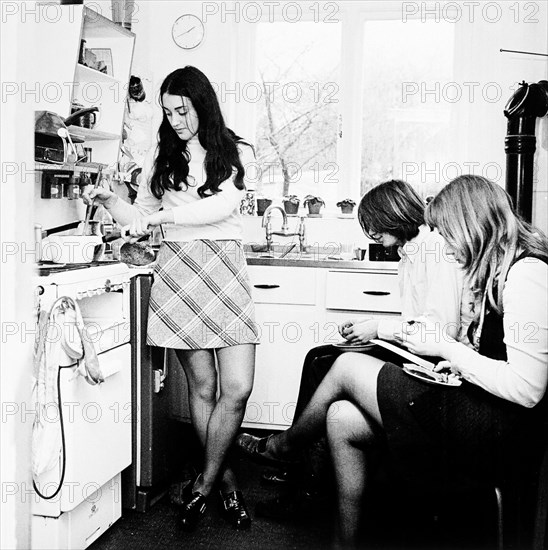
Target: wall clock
{"points": [[188, 31]]}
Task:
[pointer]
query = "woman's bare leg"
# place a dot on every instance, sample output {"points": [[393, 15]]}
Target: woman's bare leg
{"points": [[349, 433], [353, 377], [236, 371], [201, 375]]}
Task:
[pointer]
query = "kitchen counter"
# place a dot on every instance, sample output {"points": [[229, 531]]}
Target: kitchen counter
{"points": [[389, 267], [317, 259]]}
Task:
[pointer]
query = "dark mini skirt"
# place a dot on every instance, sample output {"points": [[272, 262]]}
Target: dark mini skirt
{"points": [[452, 438], [201, 296]]}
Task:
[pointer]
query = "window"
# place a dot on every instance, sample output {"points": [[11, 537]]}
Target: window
{"points": [[297, 117], [341, 112], [406, 121]]}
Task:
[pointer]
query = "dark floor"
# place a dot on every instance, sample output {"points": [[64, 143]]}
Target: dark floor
{"points": [[158, 528], [396, 523]]}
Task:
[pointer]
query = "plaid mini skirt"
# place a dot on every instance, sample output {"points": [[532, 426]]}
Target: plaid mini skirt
{"points": [[201, 296]]}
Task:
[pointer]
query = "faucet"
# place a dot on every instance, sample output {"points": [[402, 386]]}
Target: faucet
{"points": [[284, 232]]}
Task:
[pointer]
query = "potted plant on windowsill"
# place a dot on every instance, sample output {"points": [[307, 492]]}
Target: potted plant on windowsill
{"points": [[262, 204], [346, 206], [314, 205], [291, 205]]}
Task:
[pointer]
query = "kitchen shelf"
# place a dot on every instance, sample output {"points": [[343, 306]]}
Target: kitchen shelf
{"points": [[78, 26], [86, 74], [99, 26], [88, 134], [89, 167]]}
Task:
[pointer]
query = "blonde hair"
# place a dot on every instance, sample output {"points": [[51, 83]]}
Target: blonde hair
{"points": [[477, 218]]}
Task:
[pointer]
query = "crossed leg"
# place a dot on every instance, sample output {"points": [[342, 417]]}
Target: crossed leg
{"points": [[350, 434], [353, 377]]}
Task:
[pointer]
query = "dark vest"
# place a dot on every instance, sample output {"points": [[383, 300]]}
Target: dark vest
{"points": [[492, 335]]}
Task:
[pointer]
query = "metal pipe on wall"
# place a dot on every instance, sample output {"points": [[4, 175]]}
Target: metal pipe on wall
{"points": [[529, 102]]}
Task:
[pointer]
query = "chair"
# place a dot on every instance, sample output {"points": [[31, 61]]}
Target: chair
{"points": [[540, 528], [540, 536]]}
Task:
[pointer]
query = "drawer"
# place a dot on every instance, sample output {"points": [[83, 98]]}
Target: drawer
{"points": [[363, 291], [283, 285]]}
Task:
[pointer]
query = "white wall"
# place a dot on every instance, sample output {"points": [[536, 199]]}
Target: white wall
{"points": [[156, 54], [16, 198]]}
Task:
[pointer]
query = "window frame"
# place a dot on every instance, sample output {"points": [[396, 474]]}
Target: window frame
{"points": [[352, 17]]}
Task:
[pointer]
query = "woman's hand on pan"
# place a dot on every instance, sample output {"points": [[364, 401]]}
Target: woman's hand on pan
{"points": [[143, 225], [362, 331], [447, 365], [345, 327]]}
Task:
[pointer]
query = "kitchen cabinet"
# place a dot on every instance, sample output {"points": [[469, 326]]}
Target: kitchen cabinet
{"points": [[297, 308], [61, 80], [287, 333]]}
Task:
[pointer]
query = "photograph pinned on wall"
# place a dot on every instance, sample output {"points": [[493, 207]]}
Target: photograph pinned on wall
{"points": [[100, 59]]}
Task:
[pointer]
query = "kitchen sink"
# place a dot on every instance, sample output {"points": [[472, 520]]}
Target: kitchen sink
{"points": [[291, 252]]}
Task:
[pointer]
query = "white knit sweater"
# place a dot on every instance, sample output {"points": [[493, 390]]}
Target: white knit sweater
{"points": [[213, 217]]}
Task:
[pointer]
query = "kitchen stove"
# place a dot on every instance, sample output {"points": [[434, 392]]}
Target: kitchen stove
{"points": [[97, 424], [46, 268]]}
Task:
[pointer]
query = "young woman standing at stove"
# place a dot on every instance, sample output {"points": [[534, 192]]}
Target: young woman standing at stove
{"points": [[193, 181]]}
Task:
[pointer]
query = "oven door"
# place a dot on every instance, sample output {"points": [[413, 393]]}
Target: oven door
{"points": [[96, 421]]}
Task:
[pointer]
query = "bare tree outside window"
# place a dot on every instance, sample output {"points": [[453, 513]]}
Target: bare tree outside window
{"points": [[297, 120]]}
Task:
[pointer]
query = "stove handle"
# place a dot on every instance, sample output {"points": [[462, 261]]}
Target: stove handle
{"points": [[160, 375], [109, 287]]}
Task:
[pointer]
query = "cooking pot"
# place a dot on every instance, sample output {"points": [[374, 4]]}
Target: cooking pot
{"points": [[70, 249], [83, 117], [49, 144]]}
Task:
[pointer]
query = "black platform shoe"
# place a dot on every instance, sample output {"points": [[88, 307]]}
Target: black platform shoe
{"points": [[234, 510], [193, 507]]}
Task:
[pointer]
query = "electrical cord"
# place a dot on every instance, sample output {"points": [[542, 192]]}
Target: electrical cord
{"points": [[63, 446]]}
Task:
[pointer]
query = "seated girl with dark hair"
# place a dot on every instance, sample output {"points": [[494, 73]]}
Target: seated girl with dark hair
{"points": [[490, 429], [431, 287]]}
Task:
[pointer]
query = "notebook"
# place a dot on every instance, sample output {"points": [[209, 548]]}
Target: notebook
{"points": [[402, 352]]}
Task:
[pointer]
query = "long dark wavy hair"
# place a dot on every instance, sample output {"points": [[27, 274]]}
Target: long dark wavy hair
{"points": [[392, 207], [222, 157]]}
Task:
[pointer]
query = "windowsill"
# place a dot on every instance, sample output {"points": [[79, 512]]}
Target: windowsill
{"points": [[322, 216]]}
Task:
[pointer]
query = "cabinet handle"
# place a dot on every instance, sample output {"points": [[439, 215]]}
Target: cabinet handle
{"points": [[376, 292], [266, 286]]}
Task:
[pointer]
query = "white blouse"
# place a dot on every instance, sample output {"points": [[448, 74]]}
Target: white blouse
{"points": [[523, 377], [213, 217], [431, 287]]}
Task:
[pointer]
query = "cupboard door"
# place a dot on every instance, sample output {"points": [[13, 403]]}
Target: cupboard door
{"points": [[287, 333]]}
